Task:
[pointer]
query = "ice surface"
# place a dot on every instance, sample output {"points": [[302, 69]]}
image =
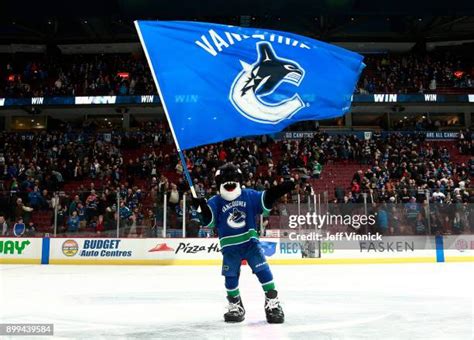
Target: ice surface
{"points": [[389, 301]]}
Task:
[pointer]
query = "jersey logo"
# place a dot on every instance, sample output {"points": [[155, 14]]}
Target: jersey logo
{"points": [[236, 219], [262, 78]]}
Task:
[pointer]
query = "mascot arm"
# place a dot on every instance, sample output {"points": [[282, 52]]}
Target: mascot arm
{"points": [[204, 210], [273, 194]]}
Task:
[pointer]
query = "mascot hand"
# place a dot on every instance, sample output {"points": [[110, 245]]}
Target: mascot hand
{"points": [[199, 203], [289, 183]]}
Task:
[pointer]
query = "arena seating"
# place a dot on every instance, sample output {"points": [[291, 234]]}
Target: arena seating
{"points": [[123, 74], [337, 171]]}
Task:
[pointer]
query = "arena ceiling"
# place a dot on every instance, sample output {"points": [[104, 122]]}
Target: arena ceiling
{"points": [[89, 21]]}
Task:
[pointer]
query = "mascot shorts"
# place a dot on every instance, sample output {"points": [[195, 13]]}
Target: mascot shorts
{"points": [[249, 251]]}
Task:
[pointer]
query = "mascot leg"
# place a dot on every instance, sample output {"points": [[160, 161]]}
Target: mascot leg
{"points": [[231, 271], [260, 267]]}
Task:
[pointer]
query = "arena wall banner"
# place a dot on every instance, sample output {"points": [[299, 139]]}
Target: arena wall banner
{"points": [[205, 251], [202, 251], [171, 251], [130, 251], [429, 135], [458, 248], [390, 249], [80, 100], [21, 250], [185, 98]]}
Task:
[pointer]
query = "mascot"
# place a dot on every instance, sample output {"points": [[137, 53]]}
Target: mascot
{"points": [[233, 213]]}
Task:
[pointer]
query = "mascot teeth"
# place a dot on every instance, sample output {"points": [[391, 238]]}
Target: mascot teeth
{"points": [[230, 186]]}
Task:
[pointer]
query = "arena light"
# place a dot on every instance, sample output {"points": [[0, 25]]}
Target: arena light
{"points": [[458, 74]]}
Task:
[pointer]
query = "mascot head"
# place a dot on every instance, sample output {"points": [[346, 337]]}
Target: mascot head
{"points": [[229, 180]]}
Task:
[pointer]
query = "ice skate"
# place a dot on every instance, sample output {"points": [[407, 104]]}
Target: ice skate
{"points": [[236, 311], [273, 309]]}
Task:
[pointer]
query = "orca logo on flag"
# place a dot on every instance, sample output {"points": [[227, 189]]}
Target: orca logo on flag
{"points": [[261, 79]]}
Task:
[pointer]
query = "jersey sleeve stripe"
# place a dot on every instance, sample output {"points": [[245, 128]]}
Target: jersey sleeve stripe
{"points": [[211, 224], [266, 211]]}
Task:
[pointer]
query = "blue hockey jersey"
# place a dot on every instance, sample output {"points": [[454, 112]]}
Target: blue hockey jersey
{"points": [[236, 220]]}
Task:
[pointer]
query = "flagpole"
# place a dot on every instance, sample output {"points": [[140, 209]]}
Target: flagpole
{"points": [[180, 152]]}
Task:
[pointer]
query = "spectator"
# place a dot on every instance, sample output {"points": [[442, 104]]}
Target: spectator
{"points": [[35, 198], [3, 225], [19, 228], [91, 206], [81, 213], [125, 215], [382, 220], [100, 227], [73, 223], [22, 211], [420, 228], [74, 204], [317, 169]]}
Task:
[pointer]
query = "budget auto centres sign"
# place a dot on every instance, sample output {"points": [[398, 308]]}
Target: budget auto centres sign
{"points": [[90, 250], [94, 248]]}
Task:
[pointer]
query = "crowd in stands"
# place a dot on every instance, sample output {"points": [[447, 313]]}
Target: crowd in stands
{"points": [[125, 74], [401, 169], [35, 169], [106, 182], [465, 145], [404, 174], [415, 73], [76, 76]]}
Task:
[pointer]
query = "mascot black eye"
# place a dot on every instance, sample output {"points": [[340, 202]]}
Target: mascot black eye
{"points": [[290, 67]]}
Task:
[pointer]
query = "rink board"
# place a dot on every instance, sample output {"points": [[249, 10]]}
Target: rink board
{"points": [[459, 248], [21, 250], [392, 249], [201, 251], [206, 251], [177, 251]]}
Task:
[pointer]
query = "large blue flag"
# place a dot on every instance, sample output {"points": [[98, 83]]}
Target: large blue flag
{"points": [[218, 82]]}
